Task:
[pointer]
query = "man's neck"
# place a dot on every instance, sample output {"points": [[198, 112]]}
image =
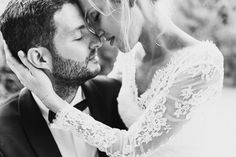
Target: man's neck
{"points": [[67, 93]]}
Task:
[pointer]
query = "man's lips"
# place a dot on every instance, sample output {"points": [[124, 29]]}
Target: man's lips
{"points": [[93, 54]]}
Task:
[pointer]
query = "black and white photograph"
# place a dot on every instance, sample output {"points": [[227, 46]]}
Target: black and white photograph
{"points": [[117, 78]]}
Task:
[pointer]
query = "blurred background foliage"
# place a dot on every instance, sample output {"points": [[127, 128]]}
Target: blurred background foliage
{"points": [[204, 19], [211, 20]]}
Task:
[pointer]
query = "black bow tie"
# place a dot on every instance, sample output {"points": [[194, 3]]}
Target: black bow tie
{"points": [[80, 106]]}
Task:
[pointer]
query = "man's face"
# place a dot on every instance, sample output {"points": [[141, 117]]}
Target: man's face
{"points": [[75, 58]]}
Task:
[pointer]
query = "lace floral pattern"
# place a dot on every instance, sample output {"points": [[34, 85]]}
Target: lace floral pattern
{"points": [[181, 109], [190, 79], [99, 135]]}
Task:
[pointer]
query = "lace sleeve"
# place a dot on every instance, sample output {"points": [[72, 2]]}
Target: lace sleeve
{"points": [[163, 117]]}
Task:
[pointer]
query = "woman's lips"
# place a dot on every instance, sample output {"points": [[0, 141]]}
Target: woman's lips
{"points": [[111, 40]]}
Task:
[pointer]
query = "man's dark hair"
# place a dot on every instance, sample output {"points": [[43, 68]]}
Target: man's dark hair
{"points": [[29, 23]]}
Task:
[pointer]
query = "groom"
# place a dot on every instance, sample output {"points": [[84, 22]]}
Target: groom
{"points": [[54, 36]]}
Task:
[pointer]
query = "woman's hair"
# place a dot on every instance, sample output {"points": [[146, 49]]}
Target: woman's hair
{"points": [[125, 6]]}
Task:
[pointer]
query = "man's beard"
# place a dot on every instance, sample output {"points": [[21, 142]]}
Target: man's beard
{"points": [[67, 72]]}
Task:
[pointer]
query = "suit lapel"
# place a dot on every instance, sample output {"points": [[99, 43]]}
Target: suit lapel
{"points": [[36, 128]]}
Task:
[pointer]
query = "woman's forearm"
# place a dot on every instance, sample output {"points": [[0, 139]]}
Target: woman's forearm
{"points": [[54, 103]]}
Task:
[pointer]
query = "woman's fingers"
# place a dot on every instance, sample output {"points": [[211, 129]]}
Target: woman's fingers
{"points": [[10, 60], [21, 71], [7, 54], [26, 62], [6, 49]]}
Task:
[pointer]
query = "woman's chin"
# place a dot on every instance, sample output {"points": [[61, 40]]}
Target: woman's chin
{"points": [[126, 48], [123, 48]]}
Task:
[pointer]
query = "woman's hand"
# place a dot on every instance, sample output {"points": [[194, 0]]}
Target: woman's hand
{"points": [[34, 79]]}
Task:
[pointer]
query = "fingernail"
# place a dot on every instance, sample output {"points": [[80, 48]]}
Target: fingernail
{"points": [[21, 54]]}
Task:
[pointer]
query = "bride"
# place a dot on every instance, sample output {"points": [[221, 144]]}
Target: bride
{"points": [[165, 76]]}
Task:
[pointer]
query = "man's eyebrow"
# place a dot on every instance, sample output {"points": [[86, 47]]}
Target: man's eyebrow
{"points": [[81, 27]]}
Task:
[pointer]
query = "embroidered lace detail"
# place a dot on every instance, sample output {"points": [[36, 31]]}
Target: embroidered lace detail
{"points": [[181, 109], [99, 135], [154, 123], [189, 80], [162, 77]]}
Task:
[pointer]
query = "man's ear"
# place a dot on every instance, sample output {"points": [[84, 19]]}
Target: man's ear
{"points": [[40, 57]]}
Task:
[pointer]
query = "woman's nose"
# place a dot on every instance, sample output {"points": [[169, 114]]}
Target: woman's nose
{"points": [[100, 33]]}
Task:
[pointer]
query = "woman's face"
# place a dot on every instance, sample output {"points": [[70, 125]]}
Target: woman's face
{"points": [[108, 19]]}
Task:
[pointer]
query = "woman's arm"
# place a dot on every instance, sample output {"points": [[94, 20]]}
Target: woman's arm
{"points": [[192, 85], [163, 118]]}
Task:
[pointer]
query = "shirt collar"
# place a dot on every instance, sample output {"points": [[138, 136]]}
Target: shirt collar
{"points": [[44, 110]]}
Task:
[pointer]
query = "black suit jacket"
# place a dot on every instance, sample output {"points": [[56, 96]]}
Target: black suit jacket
{"points": [[24, 132]]}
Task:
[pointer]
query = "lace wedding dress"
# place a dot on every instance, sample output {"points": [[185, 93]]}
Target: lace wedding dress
{"points": [[162, 118]]}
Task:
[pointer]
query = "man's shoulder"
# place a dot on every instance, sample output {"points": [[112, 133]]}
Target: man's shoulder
{"points": [[9, 106], [13, 140], [9, 114]]}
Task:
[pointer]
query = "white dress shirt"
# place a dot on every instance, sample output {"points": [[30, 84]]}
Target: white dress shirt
{"points": [[70, 145]]}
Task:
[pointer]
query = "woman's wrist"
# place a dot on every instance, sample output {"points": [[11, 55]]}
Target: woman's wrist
{"points": [[54, 103]]}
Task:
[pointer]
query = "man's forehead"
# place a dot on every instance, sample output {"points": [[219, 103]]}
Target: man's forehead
{"points": [[83, 5], [69, 17]]}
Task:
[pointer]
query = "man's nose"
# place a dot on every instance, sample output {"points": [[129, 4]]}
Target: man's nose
{"points": [[95, 43]]}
